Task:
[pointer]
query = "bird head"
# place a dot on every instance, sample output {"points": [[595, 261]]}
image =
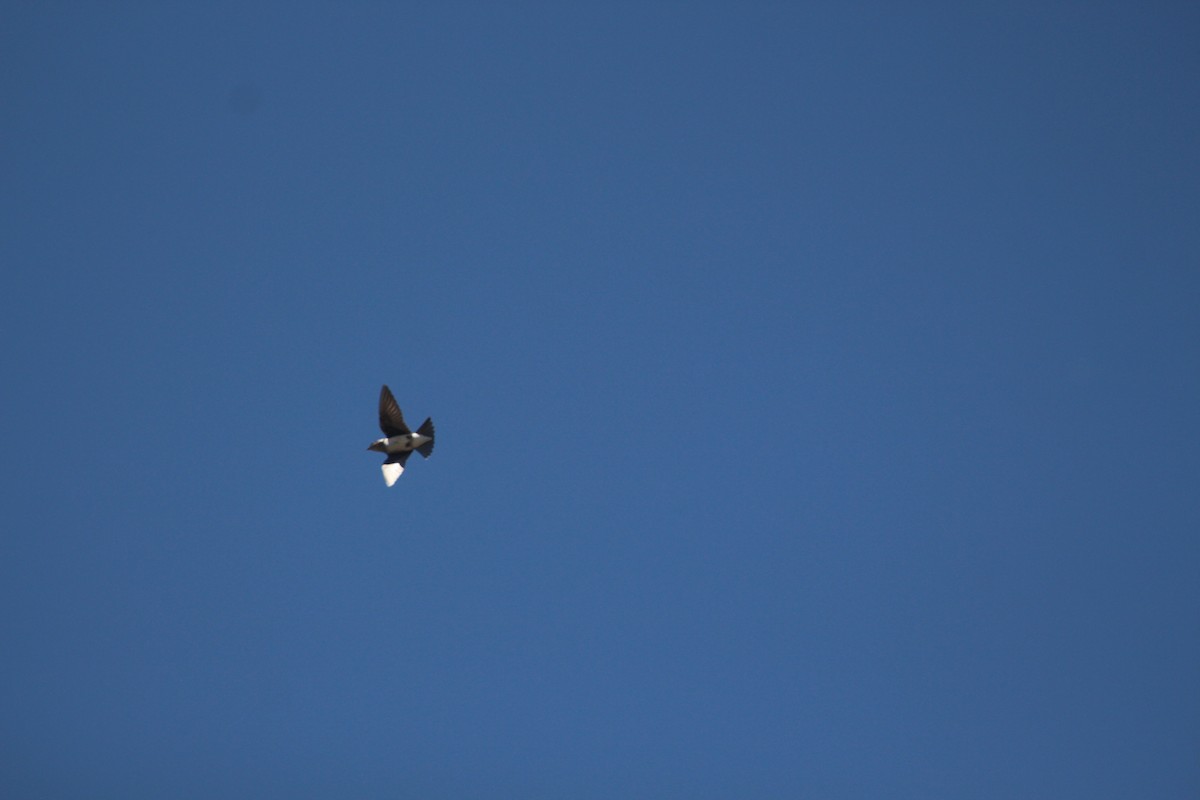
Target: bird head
{"points": [[379, 446]]}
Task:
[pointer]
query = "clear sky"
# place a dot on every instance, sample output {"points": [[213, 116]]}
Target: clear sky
{"points": [[816, 384]]}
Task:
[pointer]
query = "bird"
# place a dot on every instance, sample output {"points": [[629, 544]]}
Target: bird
{"points": [[398, 441]]}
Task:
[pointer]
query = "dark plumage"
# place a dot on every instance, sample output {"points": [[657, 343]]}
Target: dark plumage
{"points": [[398, 441]]}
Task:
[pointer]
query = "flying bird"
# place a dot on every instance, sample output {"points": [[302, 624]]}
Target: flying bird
{"points": [[398, 441]]}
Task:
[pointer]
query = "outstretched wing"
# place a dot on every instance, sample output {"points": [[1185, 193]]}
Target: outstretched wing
{"points": [[394, 466], [391, 421]]}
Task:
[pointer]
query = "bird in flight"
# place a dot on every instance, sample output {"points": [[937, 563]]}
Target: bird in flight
{"points": [[398, 441]]}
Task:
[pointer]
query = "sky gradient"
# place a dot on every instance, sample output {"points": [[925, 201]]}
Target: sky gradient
{"points": [[816, 389]]}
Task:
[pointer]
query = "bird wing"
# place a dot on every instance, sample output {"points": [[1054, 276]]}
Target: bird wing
{"points": [[394, 466], [391, 421]]}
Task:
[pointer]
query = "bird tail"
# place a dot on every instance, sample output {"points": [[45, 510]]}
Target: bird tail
{"points": [[426, 429]]}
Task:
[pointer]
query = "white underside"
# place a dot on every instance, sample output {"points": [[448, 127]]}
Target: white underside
{"points": [[391, 472], [402, 444]]}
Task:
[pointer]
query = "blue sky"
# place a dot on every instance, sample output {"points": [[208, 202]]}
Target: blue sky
{"points": [[816, 390]]}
